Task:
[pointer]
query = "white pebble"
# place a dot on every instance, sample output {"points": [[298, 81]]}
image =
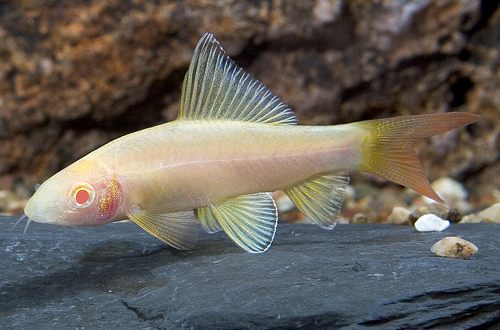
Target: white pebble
{"points": [[431, 222], [454, 247]]}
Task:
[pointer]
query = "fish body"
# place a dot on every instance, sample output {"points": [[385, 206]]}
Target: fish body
{"points": [[182, 166], [233, 142]]}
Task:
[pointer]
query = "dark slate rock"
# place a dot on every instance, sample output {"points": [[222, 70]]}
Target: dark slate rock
{"points": [[358, 276]]}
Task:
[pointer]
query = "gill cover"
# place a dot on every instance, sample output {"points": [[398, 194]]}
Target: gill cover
{"points": [[97, 203]]}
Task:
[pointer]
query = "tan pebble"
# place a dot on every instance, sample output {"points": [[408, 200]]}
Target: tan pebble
{"points": [[450, 188], [452, 192], [342, 221], [283, 203], [6, 199], [16, 207], [359, 218], [441, 210], [399, 216], [471, 218], [491, 214], [454, 247]]}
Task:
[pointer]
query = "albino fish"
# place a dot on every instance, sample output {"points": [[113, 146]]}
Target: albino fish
{"points": [[233, 142]]}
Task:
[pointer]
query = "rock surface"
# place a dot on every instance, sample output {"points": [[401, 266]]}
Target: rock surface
{"points": [[74, 75], [358, 276]]}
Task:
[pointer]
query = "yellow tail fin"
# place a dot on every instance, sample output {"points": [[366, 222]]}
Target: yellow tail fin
{"points": [[388, 148]]}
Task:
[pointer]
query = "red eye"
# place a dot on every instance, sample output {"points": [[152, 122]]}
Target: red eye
{"points": [[82, 196]]}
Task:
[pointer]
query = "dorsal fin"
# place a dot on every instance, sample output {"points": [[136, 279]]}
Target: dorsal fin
{"points": [[215, 88]]}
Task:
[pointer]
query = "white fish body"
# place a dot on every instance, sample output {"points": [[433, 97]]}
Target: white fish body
{"points": [[233, 142], [186, 165]]}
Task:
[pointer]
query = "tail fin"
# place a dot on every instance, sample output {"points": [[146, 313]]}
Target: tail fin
{"points": [[388, 147]]}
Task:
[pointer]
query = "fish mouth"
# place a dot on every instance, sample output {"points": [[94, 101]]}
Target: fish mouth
{"points": [[40, 212]]}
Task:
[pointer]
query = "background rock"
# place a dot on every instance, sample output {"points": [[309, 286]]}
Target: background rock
{"points": [[357, 276], [74, 75]]}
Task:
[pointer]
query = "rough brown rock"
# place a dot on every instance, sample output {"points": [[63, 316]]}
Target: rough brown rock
{"points": [[74, 75]]}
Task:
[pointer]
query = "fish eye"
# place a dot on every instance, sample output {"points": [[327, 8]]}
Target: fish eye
{"points": [[82, 195]]}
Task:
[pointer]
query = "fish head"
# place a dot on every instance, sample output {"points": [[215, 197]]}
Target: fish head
{"points": [[83, 194]]}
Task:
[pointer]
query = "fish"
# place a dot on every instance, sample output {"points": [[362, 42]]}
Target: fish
{"points": [[215, 166]]}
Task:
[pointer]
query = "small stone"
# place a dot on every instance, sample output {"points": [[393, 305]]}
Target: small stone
{"points": [[283, 202], [441, 210], [431, 222], [5, 198], [350, 193], [491, 214], [452, 192], [447, 187], [16, 207], [10, 203], [471, 218], [454, 247], [359, 218], [454, 216], [399, 216]]}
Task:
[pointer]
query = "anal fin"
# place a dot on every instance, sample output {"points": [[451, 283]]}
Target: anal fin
{"points": [[176, 229], [249, 220], [320, 198]]}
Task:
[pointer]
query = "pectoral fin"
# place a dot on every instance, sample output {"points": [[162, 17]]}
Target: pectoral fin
{"points": [[176, 229], [320, 198], [249, 220]]}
